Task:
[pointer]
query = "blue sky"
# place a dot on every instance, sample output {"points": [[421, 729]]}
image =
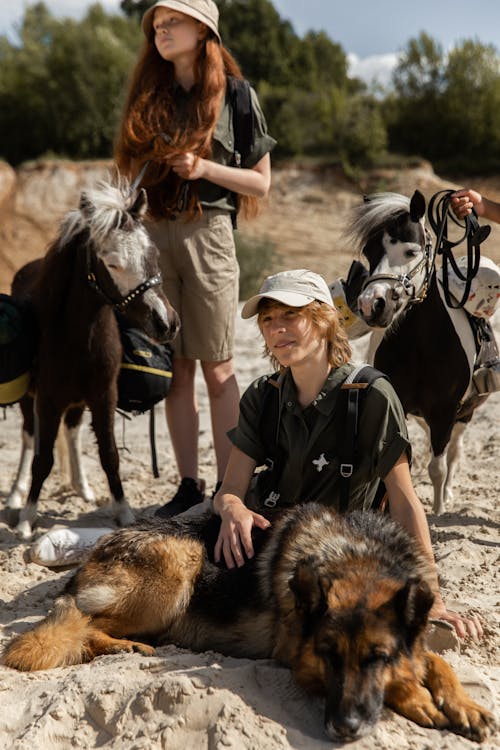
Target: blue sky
{"points": [[372, 32]]}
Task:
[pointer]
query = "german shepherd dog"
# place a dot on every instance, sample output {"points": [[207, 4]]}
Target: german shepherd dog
{"points": [[342, 601]]}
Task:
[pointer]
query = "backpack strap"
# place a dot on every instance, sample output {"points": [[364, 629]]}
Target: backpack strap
{"points": [[240, 99], [270, 417], [357, 382]]}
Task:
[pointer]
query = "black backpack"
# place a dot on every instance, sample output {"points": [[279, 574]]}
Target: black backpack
{"points": [[18, 340], [146, 370], [240, 98]]}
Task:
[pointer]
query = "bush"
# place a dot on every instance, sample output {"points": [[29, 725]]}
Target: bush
{"points": [[257, 258]]}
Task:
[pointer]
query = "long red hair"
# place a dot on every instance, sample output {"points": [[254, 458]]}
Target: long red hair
{"points": [[150, 110]]}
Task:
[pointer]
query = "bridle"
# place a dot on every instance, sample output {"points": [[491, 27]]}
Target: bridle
{"points": [[126, 299], [405, 280], [438, 213]]}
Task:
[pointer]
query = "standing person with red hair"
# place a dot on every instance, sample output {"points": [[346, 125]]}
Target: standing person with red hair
{"points": [[178, 117]]}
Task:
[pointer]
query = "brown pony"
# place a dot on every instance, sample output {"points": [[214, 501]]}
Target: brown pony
{"points": [[101, 261]]}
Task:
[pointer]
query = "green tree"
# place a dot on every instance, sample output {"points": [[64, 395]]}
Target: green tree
{"points": [[447, 107], [412, 113], [61, 88]]}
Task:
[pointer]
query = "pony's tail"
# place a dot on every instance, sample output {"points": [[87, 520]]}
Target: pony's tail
{"points": [[62, 639]]}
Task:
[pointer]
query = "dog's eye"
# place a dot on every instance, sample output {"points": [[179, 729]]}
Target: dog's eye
{"points": [[331, 654], [376, 658]]}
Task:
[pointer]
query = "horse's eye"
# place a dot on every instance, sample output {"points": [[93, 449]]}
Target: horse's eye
{"points": [[394, 241], [411, 253]]}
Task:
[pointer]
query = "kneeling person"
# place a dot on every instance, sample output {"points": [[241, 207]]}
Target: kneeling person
{"points": [[304, 339]]}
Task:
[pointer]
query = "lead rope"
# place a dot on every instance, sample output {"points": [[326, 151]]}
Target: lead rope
{"points": [[152, 443], [438, 213]]}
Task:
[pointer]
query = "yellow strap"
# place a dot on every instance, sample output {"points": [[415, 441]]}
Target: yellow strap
{"points": [[14, 390], [152, 370]]}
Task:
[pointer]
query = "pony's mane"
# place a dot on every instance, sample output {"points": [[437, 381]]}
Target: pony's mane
{"points": [[101, 210], [369, 217]]}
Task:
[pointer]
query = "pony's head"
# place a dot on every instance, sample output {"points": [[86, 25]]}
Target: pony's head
{"points": [[389, 231], [122, 263]]}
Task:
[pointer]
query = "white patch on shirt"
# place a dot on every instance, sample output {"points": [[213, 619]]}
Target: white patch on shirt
{"points": [[320, 462]]}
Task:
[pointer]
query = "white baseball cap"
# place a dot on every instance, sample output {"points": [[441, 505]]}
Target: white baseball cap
{"points": [[205, 11], [294, 288]]}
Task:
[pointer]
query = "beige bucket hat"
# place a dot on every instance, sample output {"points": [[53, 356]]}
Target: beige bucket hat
{"points": [[294, 288], [205, 11]]}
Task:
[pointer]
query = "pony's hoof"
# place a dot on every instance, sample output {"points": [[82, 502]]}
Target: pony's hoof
{"points": [[12, 515], [15, 500], [124, 515], [23, 531], [85, 493]]}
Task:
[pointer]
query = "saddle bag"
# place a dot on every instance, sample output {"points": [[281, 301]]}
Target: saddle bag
{"points": [[146, 370], [17, 349]]}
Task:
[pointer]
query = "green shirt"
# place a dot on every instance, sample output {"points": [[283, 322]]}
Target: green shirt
{"points": [[209, 194], [309, 441]]}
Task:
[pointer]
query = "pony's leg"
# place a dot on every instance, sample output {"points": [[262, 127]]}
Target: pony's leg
{"points": [[452, 455], [47, 418], [72, 430], [438, 471], [19, 489], [103, 424]]}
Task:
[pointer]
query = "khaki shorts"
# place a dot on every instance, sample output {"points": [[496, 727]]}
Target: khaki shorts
{"points": [[200, 279]]}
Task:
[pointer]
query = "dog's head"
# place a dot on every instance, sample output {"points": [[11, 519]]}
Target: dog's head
{"points": [[355, 630]]}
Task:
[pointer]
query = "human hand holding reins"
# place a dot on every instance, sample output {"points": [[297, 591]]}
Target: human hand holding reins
{"points": [[463, 201]]}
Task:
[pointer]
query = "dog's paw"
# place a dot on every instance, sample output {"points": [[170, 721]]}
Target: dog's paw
{"points": [[467, 718]]}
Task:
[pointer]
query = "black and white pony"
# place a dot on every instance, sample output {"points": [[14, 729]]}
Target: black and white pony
{"points": [[426, 348], [102, 260]]}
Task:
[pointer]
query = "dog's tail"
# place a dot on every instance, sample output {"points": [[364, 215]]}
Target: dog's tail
{"points": [[60, 640]]}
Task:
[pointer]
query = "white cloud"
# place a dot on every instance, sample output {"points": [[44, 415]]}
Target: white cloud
{"points": [[373, 70]]}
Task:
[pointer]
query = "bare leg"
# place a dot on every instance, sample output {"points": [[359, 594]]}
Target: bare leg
{"points": [[182, 417], [224, 400]]}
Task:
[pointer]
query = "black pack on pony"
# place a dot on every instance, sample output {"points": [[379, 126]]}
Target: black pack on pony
{"points": [[102, 261], [145, 371], [18, 339], [423, 344]]}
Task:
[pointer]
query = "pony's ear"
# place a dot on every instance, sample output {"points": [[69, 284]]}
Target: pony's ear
{"points": [[309, 588], [140, 205], [86, 205], [417, 206]]}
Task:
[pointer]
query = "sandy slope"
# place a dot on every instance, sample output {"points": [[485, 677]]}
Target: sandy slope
{"points": [[194, 701]]}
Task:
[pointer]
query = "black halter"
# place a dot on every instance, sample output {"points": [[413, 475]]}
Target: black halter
{"points": [[406, 279], [125, 300]]}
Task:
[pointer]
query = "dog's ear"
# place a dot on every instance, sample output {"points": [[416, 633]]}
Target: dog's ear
{"points": [[310, 589], [412, 604]]}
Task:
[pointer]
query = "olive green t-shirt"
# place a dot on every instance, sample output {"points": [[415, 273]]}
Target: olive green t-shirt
{"points": [[209, 194], [310, 440]]}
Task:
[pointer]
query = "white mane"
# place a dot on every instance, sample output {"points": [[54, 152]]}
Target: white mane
{"points": [[101, 211], [368, 217]]}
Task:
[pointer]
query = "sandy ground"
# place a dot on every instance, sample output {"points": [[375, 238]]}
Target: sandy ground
{"points": [[178, 699]]}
